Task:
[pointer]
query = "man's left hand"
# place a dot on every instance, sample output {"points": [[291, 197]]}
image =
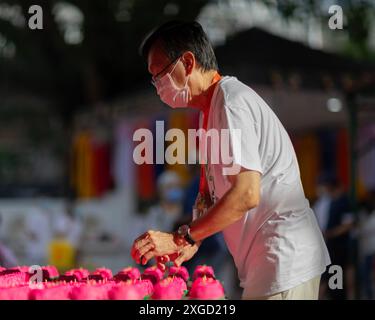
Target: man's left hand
{"points": [[153, 244]]}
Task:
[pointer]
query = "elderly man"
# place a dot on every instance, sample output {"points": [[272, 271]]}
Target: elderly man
{"points": [[261, 208]]}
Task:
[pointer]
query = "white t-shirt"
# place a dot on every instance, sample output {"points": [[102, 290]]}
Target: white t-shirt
{"points": [[277, 245]]}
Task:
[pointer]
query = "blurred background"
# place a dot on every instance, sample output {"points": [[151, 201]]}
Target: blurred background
{"points": [[73, 93]]}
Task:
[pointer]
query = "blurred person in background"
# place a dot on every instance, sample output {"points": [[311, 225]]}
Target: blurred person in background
{"points": [[7, 257], [67, 223], [37, 234], [336, 220], [367, 244], [321, 209], [322, 204], [168, 210], [65, 244]]}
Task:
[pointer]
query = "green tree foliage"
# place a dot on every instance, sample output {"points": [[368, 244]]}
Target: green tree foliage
{"points": [[358, 14], [106, 62]]}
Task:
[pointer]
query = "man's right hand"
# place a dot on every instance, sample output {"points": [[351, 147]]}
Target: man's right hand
{"points": [[185, 254], [162, 260]]}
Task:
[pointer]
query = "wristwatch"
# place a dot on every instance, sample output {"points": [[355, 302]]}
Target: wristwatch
{"points": [[184, 232]]}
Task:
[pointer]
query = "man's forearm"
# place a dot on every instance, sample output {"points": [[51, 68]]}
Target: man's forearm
{"points": [[230, 208]]}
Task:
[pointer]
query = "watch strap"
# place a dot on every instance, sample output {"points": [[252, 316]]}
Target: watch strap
{"points": [[188, 238]]}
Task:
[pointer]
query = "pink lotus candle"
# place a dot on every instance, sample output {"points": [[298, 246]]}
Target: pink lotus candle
{"points": [[171, 288], [126, 292], [68, 278], [89, 292], [179, 272], [79, 273], [58, 292], [154, 274], [104, 272], [206, 289], [75, 275], [129, 284], [15, 293], [9, 279], [178, 281], [50, 272], [143, 287], [128, 273], [10, 270], [203, 270]]}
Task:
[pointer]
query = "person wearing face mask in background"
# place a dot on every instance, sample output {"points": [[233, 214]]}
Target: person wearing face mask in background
{"points": [[257, 200], [168, 210], [165, 214]]}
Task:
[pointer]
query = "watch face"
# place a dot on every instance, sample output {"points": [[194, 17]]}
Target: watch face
{"points": [[183, 230]]}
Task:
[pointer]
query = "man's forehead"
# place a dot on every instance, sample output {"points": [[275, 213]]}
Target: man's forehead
{"points": [[157, 59]]}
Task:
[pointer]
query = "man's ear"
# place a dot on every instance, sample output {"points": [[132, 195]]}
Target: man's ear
{"points": [[188, 59]]}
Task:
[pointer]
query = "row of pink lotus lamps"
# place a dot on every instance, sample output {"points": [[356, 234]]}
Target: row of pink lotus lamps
{"points": [[128, 284]]}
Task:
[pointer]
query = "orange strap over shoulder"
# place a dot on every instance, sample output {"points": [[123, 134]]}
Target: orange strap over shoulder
{"points": [[203, 187]]}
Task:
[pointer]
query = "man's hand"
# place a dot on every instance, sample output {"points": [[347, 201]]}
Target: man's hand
{"points": [[162, 260], [153, 244], [185, 254]]}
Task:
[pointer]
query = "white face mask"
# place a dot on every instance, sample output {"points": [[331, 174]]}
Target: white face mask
{"points": [[170, 93]]}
